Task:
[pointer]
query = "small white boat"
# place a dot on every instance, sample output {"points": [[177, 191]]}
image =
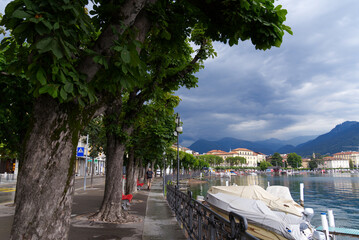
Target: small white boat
{"points": [[269, 216]]}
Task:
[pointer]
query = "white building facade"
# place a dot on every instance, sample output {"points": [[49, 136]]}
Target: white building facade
{"points": [[252, 158]]}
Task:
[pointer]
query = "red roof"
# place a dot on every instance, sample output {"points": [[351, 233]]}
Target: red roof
{"points": [[214, 152], [242, 149], [346, 153]]}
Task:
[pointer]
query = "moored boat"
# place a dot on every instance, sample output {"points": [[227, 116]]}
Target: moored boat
{"points": [[269, 216]]}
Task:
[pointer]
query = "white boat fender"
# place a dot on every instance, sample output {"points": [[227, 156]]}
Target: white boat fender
{"points": [[318, 235], [308, 213]]}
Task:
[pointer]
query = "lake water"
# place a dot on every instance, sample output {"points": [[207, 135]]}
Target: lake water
{"points": [[337, 191]]}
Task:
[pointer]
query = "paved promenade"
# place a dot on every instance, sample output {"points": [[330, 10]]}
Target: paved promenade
{"points": [[154, 217]]}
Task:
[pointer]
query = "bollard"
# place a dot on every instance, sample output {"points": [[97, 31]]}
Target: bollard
{"points": [[302, 194], [227, 183], [268, 184], [331, 218], [325, 225]]}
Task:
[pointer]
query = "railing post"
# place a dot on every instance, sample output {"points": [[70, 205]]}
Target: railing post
{"points": [[175, 208], [212, 229], [190, 213], [237, 229], [200, 224], [233, 226]]}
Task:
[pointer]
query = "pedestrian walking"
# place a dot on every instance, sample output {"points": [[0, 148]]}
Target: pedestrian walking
{"points": [[149, 174]]}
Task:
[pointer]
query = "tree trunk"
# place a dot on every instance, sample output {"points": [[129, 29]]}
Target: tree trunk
{"points": [[137, 168], [111, 210], [144, 169], [131, 181], [46, 177]]}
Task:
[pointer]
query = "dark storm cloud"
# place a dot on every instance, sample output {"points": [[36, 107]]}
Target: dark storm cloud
{"points": [[305, 87]]}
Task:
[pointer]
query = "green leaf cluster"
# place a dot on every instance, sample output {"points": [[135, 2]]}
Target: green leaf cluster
{"points": [[294, 160], [236, 160], [212, 160], [276, 159], [46, 39], [264, 165], [258, 20], [15, 111]]}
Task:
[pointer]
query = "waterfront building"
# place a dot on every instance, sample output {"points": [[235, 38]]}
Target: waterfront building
{"points": [[350, 155], [187, 150], [334, 162], [220, 153], [184, 149], [249, 155], [305, 162], [261, 156], [252, 158]]}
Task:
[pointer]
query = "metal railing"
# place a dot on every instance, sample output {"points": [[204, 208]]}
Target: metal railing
{"points": [[173, 177], [200, 222]]}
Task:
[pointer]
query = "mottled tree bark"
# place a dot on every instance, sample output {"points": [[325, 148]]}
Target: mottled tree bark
{"points": [[111, 210], [131, 174], [137, 169], [144, 169], [45, 181]]}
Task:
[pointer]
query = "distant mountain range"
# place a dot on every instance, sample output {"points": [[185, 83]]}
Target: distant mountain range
{"points": [[343, 137]]}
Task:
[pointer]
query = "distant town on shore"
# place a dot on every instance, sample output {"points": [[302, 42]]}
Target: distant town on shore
{"points": [[340, 160], [343, 137]]}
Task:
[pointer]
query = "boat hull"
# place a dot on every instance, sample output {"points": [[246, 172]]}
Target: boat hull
{"points": [[253, 229], [263, 222]]}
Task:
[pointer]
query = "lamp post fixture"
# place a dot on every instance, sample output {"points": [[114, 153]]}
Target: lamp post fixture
{"points": [[164, 173], [177, 132]]}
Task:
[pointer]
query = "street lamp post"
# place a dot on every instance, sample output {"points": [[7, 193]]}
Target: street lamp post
{"points": [[177, 132], [164, 173]]}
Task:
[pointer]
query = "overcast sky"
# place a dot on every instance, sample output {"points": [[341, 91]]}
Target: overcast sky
{"points": [[305, 87]]}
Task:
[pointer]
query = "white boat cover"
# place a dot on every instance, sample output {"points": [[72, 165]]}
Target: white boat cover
{"points": [[280, 191], [258, 193], [256, 213]]}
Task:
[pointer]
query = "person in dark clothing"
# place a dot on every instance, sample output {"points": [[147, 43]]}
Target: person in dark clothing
{"points": [[149, 174]]}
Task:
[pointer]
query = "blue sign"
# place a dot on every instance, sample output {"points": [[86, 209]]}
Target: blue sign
{"points": [[80, 151]]}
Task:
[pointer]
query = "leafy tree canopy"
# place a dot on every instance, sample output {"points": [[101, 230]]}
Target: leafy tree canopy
{"points": [[15, 109], [276, 159], [264, 165], [211, 159], [294, 160], [64, 41], [236, 160]]}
